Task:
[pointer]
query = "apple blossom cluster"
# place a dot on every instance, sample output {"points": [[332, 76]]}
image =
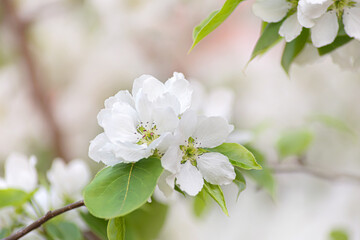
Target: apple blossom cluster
{"points": [[65, 184], [325, 18], [156, 120]]}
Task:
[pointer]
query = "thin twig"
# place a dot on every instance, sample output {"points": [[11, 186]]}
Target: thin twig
{"points": [[49, 215], [19, 28], [314, 172]]}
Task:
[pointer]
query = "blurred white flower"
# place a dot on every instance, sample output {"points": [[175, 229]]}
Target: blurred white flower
{"points": [[188, 163], [68, 180], [347, 56], [298, 14], [134, 126], [20, 173], [218, 102]]}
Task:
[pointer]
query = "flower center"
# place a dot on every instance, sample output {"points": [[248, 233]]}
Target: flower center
{"points": [[148, 132], [292, 6], [339, 6], [190, 151]]}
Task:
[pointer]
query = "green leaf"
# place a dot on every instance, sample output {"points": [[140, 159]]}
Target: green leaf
{"points": [[97, 225], [238, 155], [200, 204], [263, 178], [216, 193], [338, 235], [12, 197], [293, 48], [146, 222], [116, 229], [213, 21], [338, 42], [269, 38], [119, 190], [294, 143], [239, 181], [63, 230]]}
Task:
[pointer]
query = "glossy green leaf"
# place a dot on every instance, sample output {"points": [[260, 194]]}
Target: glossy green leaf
{"points": [[12, 197], [269, 38], [146, 222], [119, 190], [338, 235], [201, 202], [239, 181], [294, 143], [116, 229], [97, 225], [217, 194], [238, 155], [213, 21], [63, 230], [264, 178], [293, 49]]}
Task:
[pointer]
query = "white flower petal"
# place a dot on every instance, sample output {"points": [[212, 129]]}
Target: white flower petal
{"points": [[144, 107], [312, 9], [101, 149], [216, 168], [181, 88], [168, 100], [211, 131], [122, 96], [187, 124], [120, 125], [149, 86], [304, 20], [20, 172], [290, 28], [325, 29], [271, 10], [167, 139], [165, 119], [132, 152], [351, 19], [189, 179], [166, 183], [171, 159]]}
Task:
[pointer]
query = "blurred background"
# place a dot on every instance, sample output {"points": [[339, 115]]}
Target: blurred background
{"points": [[60, 59]]}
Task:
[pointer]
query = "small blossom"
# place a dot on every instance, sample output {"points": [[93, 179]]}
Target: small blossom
{"points": [[189, 163]]}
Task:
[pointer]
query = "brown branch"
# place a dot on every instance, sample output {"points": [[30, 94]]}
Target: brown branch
{"points": [[19, 28], [49, 215], [314, 172]]}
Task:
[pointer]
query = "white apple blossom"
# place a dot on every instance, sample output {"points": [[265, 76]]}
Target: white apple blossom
{"points": [[20, 165], [296, 14], [326, 27], [135, 125], [186, 160], [319, 15], [68, 180]]}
